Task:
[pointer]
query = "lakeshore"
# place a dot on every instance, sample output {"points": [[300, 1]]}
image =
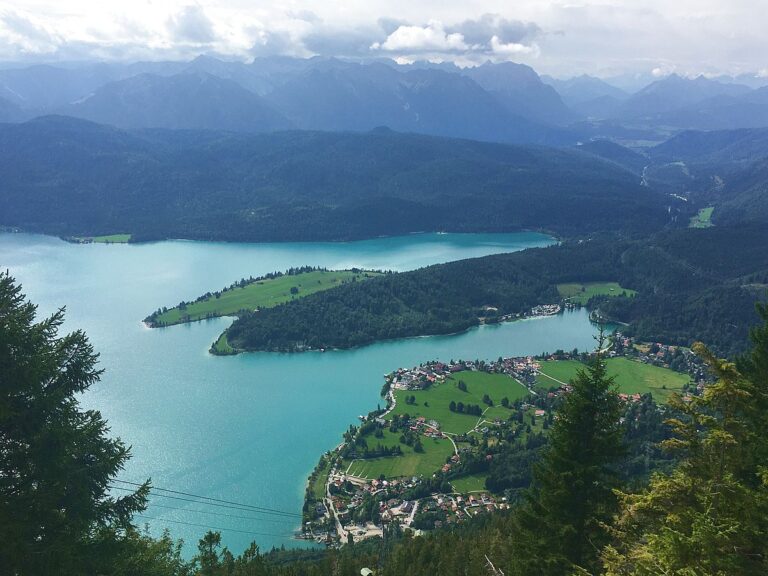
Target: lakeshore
{"points": [[422, 461], [221, 426]]}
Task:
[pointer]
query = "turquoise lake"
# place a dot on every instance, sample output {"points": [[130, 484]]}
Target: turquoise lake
{"points": [[247, 428]]}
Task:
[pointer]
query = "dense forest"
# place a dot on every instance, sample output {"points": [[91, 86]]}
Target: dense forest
{"points": [[704, 513], [691, 284], [75, 178]]}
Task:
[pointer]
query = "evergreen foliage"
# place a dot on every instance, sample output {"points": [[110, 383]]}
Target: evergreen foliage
{"points": [[56, 513], [691, 284], [561, 524], [710, 514]]}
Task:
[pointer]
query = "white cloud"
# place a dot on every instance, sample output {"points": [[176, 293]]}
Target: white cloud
{"points": [[512, 49], [438, 43], [561, 37], [663, 70], [429, 38], [191, 25]]}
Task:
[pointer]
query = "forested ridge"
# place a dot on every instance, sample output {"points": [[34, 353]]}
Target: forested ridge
{"points": [[75, 178], [705, 513], [691, 284]]}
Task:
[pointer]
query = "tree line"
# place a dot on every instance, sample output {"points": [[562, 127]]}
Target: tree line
{"points": [[690, 284]]}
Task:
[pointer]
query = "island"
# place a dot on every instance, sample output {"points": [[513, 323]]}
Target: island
{"points": [[457, 439]]}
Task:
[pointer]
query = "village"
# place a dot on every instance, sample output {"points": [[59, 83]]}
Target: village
{"points": [[349, 501]]}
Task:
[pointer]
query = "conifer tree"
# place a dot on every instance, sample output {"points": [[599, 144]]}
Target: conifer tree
{"points": [[56, 460], [710, 515], [560, 526]]}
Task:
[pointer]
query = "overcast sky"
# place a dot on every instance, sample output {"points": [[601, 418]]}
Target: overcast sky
{"points": [[562, 38]]}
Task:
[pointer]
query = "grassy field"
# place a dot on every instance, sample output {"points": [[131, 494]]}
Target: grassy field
{"points": [[703, 219], [632, 377], [318, 486], [222, 347], [260, 294], [556, 372], [109, 239], [471, 483], [439, 396], [581, 293], [411, 463]]}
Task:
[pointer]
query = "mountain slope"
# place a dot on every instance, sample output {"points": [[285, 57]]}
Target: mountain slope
{"points": [[674, 93], [613, 152], [522, 92], [745, 198], [181, 101], [9, 112], [334, 95], [71, 177], [714, 147], [588, 96], [749, 110]]}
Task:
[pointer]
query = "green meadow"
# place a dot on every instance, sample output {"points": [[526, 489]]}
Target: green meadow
{"points": [[632, 377], [581, 293], [433, 402], [108, 239], [259, 294], [436, 453], [703, 218], [471, 483]]}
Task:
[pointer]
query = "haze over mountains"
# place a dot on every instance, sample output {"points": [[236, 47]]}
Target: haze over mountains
{"points": [[233, 150], [504, 102]]}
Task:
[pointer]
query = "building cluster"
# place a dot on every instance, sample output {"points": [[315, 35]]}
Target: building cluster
{"points": [[393, 506], [358, 508]]}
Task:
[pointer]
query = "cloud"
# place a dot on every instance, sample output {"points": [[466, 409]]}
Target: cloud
{"points": [[192, 25], [559, 37], [350, 43], [23, 36], [429, 38], [389, 25], [511, 49], [25, 27], [663, 70], [305, 15], [488, 26], [278, 43], [490, 37]]}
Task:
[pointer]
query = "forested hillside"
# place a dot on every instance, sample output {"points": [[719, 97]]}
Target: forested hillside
{"points": [[690, 283], [75, 178]]}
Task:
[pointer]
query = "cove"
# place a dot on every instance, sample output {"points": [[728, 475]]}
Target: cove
{"points": [[247, 428]]}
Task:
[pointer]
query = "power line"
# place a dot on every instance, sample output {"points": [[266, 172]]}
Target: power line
{"points": [[155, 505], [238, 507], [212, 527], [240, 504]]}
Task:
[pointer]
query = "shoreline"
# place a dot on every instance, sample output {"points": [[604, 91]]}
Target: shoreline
{"points": [[515, 318]]}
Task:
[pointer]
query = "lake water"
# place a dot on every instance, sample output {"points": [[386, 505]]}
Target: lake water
{"points": [[247, 428]]}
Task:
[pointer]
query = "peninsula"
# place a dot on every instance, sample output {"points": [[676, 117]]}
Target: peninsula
{"points": [[457, 439], [249, 295]]}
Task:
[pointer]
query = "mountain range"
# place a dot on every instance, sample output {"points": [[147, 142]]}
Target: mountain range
{"points": [[502, 102]]}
